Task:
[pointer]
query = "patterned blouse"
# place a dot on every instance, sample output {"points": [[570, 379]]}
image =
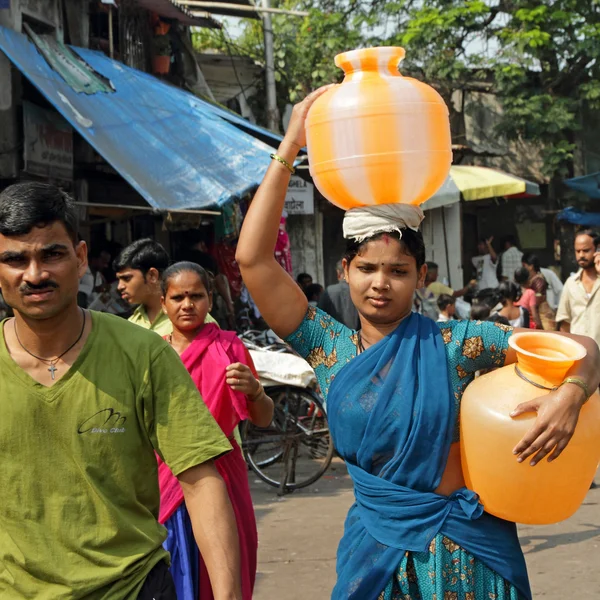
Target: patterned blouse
{"points": [[471, 346]]}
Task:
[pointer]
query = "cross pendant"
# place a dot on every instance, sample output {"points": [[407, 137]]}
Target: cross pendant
{"points": [[52, 370]]}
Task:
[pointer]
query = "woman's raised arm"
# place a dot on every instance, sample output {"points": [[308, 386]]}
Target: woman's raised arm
{"points": [[280, 300]]}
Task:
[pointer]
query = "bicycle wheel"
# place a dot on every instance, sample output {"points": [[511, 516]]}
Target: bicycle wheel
{"points": [[296, 449]]}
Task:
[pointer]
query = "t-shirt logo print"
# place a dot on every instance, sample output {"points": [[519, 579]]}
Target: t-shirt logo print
{"points": [[107, 420]]}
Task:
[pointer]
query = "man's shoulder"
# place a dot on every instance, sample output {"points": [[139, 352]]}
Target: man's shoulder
{"points": [[126, 334]]}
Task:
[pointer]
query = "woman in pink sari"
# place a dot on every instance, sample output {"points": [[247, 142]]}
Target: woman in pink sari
{"points": [[222, 369]]}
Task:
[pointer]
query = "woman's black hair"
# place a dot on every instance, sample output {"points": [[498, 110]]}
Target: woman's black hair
{"points": [[522, 275], [498, 319], [185, 267], [507, 290], [480, 312], [411, 242], [531, 259]]}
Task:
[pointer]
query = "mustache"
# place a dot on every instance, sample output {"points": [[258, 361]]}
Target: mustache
{"points": [[30, 288]]}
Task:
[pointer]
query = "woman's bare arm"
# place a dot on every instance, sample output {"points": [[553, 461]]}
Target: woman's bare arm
{"points": [[280, 300], [557, 411]]}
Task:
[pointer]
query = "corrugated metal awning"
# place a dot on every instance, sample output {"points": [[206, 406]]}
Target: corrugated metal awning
{"points": [[172, 10], [173, 148]]}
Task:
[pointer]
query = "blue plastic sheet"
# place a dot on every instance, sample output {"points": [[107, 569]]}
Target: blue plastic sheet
{"points": [[588, 184], [176, 150], [579, 217]]}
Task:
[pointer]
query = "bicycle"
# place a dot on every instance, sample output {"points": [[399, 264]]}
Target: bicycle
{"points": [[296, 449]]}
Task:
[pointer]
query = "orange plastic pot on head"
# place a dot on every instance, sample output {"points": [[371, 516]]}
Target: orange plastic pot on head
{"points": [[548, 492], [379, 137]]}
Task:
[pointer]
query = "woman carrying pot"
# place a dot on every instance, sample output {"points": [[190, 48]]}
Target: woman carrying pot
{"points": [[415, 531]]}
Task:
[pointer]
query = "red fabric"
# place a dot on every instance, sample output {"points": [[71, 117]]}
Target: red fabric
{"points": [[225, 255], [206, 359], [283, 254]]}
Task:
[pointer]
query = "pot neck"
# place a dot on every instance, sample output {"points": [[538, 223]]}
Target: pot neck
{"points": [[542, 371], [371, 62], [544, 358]]}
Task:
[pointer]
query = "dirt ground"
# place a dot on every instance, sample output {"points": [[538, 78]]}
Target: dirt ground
{"points": [[299, 535]]}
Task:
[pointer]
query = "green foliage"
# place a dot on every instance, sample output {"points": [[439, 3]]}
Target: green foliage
{"points": [[539, 56]]}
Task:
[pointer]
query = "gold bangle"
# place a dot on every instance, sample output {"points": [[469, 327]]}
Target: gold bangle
{"points": [[284, 162], [580, 383]]}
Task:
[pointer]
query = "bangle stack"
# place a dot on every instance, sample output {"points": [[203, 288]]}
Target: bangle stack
{"points": [[580, 383]]}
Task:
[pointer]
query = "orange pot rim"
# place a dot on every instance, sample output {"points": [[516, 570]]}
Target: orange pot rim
{"points": [[579, 351], [396, 53]]}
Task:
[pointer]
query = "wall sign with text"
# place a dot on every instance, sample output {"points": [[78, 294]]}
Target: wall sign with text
{"points": [[300, 197]]}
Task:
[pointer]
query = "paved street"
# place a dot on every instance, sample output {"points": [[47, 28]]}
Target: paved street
{"points": [[299, 533]]}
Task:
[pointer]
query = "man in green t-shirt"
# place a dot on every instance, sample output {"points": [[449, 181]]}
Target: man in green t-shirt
{"points": [[139, 269], [86, 400]]}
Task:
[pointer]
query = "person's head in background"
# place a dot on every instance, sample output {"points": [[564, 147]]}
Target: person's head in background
{"points": [[586, 245], [139, 269], [304, 280], [313, 293], [509, 241], [480, 312], [99, 258], [432, 272], [498, 319], [508, 292], [482, 246], [522, 277], [532, 263], [447, 305], [339, 271]]}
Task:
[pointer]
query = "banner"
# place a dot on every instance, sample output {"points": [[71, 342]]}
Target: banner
{"points": [[48, 143], [300, 197]]}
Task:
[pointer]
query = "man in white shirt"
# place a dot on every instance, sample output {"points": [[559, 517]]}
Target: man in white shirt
{"points": [[511, 258], [486, 264], [93, 282], [555, 287], [579, 308]]}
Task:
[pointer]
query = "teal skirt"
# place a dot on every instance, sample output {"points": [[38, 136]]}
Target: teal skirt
{"points": [[446, 572]]}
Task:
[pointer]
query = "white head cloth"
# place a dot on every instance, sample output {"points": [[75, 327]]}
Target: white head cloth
{"points": [[367, 221]]}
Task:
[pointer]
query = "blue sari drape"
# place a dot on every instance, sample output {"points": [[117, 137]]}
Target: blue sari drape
{"points": [[391, 415]]}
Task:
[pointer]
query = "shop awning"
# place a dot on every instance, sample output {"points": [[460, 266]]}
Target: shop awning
{"points": [[478, 183], [588, 184], [579, 217], [173, 148], [174, 10]]}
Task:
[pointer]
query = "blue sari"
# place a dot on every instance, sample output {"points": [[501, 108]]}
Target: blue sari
{"points": [[391, 416]]}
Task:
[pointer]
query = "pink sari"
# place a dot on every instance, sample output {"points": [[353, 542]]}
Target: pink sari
{"points": [[206, 359]]}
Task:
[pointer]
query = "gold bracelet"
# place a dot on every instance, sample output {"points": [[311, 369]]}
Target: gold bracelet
{"points": [[580, 383], [284, 162]]}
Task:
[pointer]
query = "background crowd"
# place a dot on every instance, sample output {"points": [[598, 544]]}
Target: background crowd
{"points": [[509, 287]]}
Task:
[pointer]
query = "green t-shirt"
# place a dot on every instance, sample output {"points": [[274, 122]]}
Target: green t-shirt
{"points": [[80, 497]]}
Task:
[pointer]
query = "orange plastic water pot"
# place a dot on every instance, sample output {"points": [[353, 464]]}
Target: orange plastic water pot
{"points": [[548, 492], [379, 137]]}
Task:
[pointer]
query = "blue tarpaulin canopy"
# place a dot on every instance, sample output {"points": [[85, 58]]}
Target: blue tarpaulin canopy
{"points": [[579, 217], [176, 150], [588, 184]]}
